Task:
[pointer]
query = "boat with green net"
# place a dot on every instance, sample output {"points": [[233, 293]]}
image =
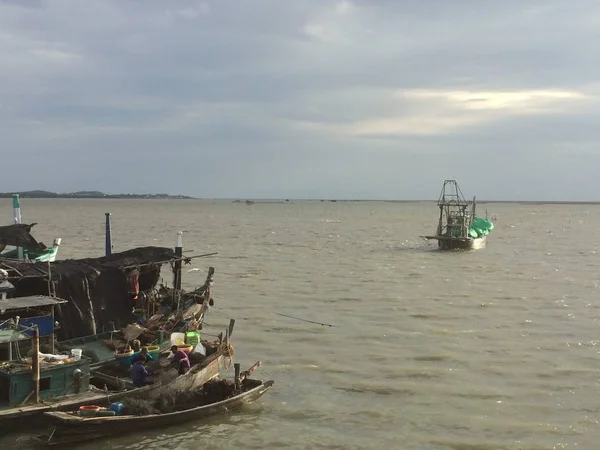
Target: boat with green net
{"points": [[25, 246], [458, 227]]}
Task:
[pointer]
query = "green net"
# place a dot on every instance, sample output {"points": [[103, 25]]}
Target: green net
{"points": [[480, 227]]}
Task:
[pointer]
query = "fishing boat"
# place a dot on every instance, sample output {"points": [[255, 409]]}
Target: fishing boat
{"points": [[205, 367], [50, 381], [89, 393], [181, 406], [458, 227], [26, 382], [154, 331], [26, 247]]}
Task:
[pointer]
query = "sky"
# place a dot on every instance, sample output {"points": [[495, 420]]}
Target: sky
{"points": [[363, 99]]}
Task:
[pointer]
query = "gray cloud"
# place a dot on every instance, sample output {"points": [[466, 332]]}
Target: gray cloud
{"points": [[263, 98]]}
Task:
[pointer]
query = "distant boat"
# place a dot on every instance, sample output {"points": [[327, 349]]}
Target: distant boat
{"points": [[26, 247], [458, 228]]}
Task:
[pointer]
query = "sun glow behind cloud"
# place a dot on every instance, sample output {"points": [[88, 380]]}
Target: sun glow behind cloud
{"points": [[433, 112]]}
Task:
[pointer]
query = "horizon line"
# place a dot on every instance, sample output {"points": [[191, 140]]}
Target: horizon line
{"points": [[99, 195]]}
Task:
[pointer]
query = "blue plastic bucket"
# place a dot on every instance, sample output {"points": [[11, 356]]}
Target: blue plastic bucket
{"points": [[117, 407]]}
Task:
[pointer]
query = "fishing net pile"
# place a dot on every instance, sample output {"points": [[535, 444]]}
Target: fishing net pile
{"points": [[171, 399]]}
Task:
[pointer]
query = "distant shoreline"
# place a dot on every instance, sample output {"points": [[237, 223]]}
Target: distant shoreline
{"points": [[101, 195], [91, 195], [479, 202]]}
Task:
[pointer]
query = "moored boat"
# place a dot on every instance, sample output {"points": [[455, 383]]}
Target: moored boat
{"points": [[50, 381], [218, 359], [183, 406], [11, 417], [31, 373]]}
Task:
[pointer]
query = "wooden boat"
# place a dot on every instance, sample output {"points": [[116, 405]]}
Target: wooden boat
{"points": [[199, 374], [25, 322], [208, 368], [70, 427], [219, 358], [458, 228]]}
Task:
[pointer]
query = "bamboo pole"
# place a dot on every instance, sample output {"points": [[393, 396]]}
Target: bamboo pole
{"points": [[35, 364], [238, 381]]}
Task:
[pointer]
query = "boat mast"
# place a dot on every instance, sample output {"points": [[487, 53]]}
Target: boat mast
{"points": [[17, 219], [454, 207]]}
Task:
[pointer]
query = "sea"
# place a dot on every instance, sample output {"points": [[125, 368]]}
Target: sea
{"points": [[493, 349]]}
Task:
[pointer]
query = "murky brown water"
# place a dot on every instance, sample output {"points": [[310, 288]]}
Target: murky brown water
{"points": [[493, 349]]}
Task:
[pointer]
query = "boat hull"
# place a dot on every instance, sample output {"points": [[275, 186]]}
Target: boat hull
{"points": [[462, 244], [451, 243], [69, 428]]}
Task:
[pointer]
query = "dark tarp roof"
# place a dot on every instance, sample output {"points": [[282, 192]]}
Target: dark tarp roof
{"points": [[18, 235], [129, 258], [31, 301], [97, 289]]}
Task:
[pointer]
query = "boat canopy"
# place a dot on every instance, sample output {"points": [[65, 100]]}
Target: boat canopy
{"points": [[32, 301], [19, 235], [97, 290]]}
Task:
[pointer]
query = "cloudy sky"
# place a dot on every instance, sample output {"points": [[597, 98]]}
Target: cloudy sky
{"points": [[302, 98]]}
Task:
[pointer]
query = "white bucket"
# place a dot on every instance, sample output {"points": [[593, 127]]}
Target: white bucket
{"points": [[76, 352], [177, 338]]}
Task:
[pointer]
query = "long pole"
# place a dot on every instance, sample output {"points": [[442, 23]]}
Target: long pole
{"points": [[177, 265], [35, 364], [177, 269], [238, 381], [17, 219], [108, 243]]}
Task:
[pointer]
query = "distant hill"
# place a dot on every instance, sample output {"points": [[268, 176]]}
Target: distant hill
{"points": [[88, 194]]}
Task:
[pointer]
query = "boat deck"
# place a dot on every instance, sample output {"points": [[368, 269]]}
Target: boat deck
{"points": [[49, 405], [93, 344], [96, 344]]}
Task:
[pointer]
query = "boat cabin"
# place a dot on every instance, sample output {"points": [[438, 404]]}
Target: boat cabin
{"points": [[27, 323]]}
